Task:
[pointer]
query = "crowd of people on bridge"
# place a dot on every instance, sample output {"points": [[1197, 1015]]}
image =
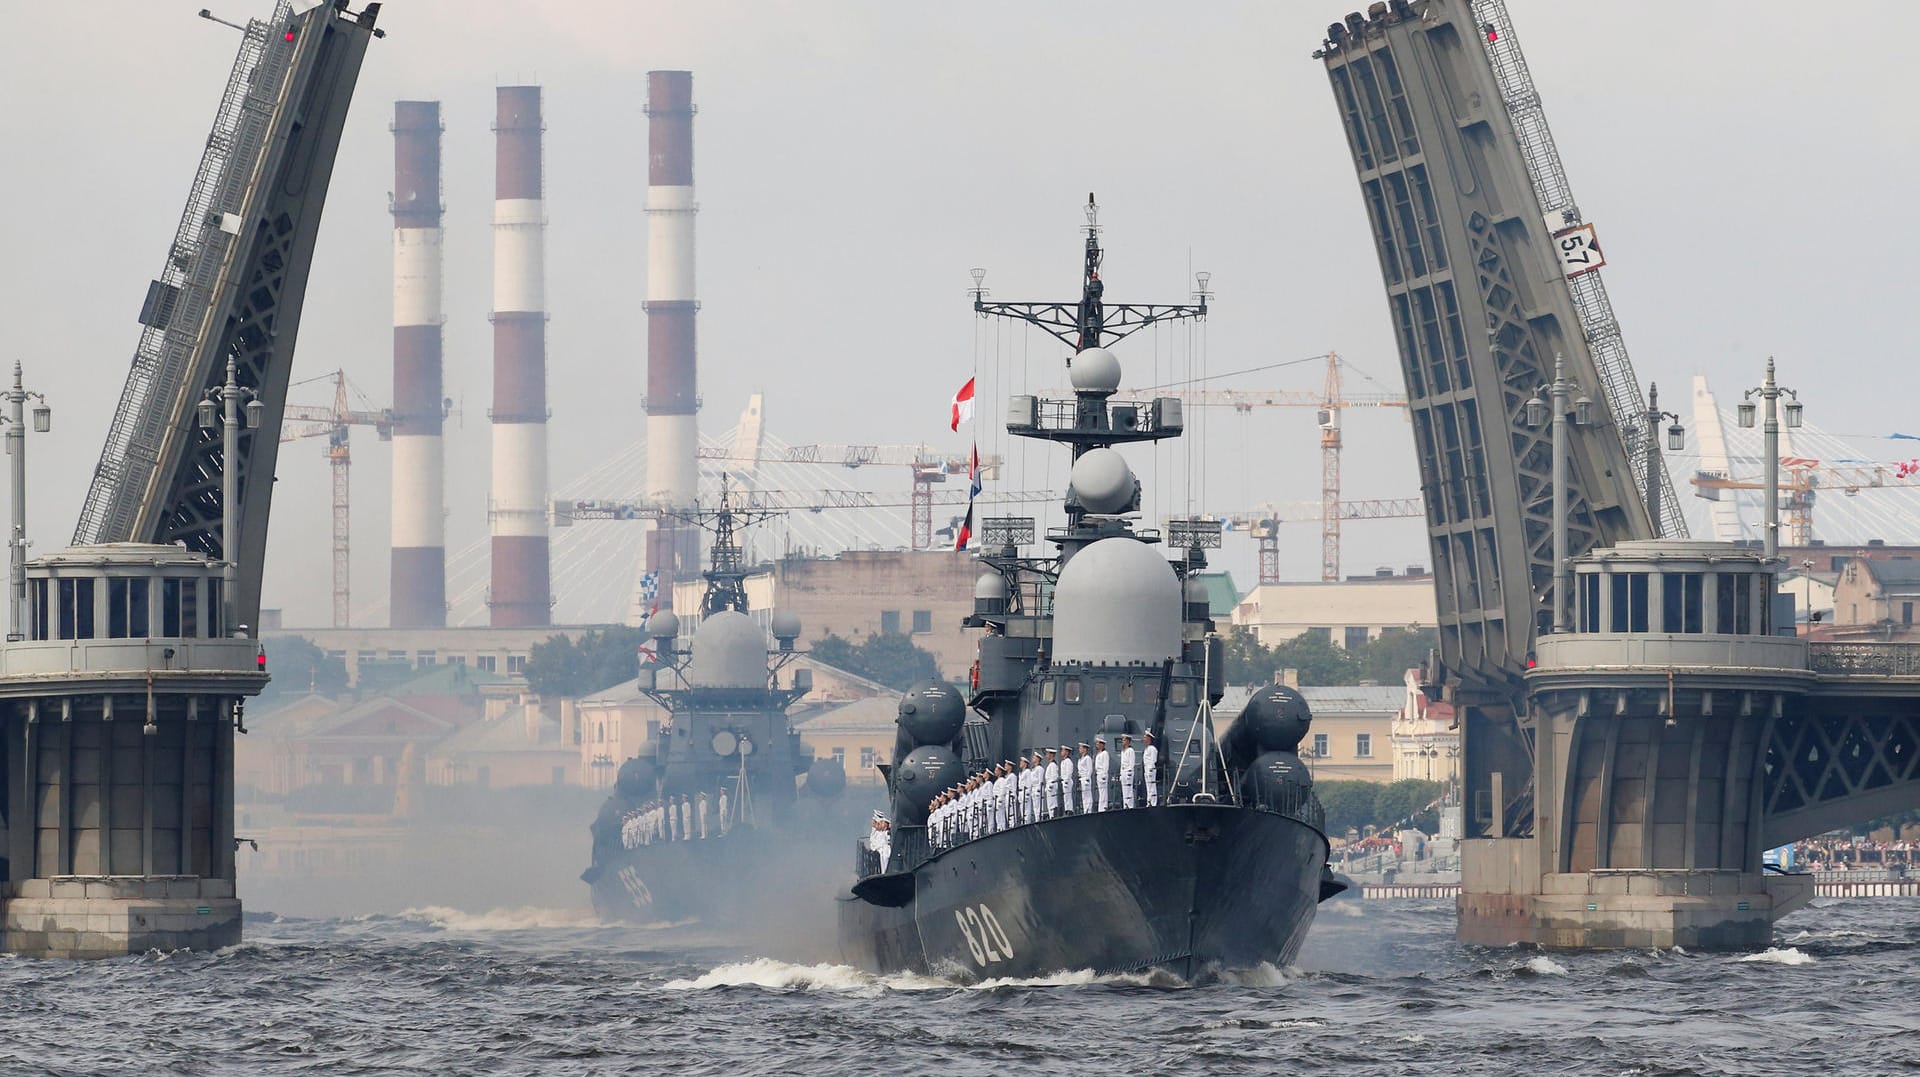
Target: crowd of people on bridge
{"points": [[1853, 854], [1043, 785], [680, 818]]}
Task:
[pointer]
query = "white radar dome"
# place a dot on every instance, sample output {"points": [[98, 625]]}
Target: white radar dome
{"points": [[990, 585], [786, 624], [1102, 482], [1117, 601], [663, 625], [729, 651], [1095, 370]]}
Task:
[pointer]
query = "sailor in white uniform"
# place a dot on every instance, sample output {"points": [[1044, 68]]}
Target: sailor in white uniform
{"points": [[1050, 792], [726, 818], [1036, 798], [1102, 772], [1066, 782], [1150, 769], [1085, 766], [686, 819], [880, 839], [1003, 798], [1009, 796], [1128, 759], [700, 813], [1023, 789]]}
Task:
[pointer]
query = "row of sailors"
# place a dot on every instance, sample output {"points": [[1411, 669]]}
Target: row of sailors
{"points": [[675, 819], [1041, 786]]}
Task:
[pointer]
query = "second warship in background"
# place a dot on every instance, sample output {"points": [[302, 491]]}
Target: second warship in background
{"points": [[725, 803], [1105, 640]]}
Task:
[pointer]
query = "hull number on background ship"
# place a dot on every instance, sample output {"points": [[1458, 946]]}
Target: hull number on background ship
{"points": [[985, 940]]}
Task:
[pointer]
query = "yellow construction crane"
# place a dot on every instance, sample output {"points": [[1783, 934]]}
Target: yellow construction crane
{"points": [[333, 423], [1800, 478], [1264, 522], [1328, 403]]}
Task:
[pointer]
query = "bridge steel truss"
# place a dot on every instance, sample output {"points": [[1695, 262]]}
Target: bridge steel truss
{"points": [[233, 285], [1479, 309]]}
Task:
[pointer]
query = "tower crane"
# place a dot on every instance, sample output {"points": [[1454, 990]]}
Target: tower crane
{"points": [[332, 423], [1329, 403], [1801, 478], [928, 468], [1264, 522]]}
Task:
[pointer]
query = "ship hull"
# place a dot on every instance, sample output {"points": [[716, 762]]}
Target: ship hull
{"points": [[720, 879], [1189, 889]]}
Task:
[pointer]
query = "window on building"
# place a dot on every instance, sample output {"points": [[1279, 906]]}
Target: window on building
{"points": [[840, 757], [1683, 602], [1356, 637], [516, 664], [889, 622], [1070, 690], [126, 608], [1047, 690], [1589, 598], [869, 758], [456, 660], [1363, 745], [1629, 602], [76, 609], [1324, 632], [922, 622], [39, 589], [1906, 613], [216, 623], [1735, 603], [485, 663], [396, 656], [1321, 745], [427, 659]]}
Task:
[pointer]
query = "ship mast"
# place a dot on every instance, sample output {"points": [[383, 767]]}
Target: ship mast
{"points": [[727, 567]]}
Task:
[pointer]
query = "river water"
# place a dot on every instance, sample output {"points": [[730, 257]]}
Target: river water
{"points": [[1382, 988]]}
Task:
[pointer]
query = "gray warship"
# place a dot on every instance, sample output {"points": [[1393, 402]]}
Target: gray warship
{"points": [[1220, 864], [725, 802]]}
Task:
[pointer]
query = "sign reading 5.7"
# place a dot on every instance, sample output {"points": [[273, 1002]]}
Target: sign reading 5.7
{"points": [[1579, 250]]}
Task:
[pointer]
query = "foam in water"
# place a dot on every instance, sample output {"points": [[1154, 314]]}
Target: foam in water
{"points": [[1775, 956], [1542, 965], [774, 975], [519, 918]]}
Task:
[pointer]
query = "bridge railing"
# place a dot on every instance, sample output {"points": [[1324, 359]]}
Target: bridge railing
{"points": [[1883, 659]]}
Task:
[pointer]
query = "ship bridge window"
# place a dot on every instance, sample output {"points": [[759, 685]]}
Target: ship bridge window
{"points": [[127, 608], [76, 609], [1180, 693], [1683, 602], [1070, 690], [1733, 604], [1047, 690], [1099, 689], [1126, 687], [39, 630]]}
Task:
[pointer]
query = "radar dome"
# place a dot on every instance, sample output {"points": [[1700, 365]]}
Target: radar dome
{"points": [[663, 625], [990, 585], [1102, 482], [931, 713], [729, 651], [1095, 370], [786, 625], [1116, 601]]}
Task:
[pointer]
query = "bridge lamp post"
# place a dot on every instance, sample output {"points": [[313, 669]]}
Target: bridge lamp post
{"points": [[1557, 407], [1771, 393], [221, 406], [17, 448], [1676, 441]]}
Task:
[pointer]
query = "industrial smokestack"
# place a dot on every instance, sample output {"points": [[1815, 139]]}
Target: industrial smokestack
{"points": [[673, 436], [518, 514], [418, 585]]}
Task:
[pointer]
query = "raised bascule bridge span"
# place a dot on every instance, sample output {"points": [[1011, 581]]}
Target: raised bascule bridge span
{"points": [[124, 673], [1633, 745]]}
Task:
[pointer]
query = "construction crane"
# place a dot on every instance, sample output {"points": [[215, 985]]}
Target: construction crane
{"points": [[1264, 522], [1328, 403], [928, 468], [333, 423], [1801, 478]]}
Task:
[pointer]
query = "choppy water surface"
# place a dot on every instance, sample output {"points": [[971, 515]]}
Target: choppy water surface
{"points": [[1382, 989]]}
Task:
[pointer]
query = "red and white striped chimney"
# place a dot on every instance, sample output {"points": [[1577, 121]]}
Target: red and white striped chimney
{"points": [[418, 584], [673, 435], [520, 594]]}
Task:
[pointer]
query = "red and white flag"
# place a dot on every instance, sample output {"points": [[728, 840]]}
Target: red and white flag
{"points": [[973, 474], [963, 405]]}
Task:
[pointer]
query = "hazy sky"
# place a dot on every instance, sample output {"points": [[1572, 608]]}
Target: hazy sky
{"points": [[1746, 164]]}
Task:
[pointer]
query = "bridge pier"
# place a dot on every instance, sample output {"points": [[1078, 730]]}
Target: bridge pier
{"points": [[117, 717]]}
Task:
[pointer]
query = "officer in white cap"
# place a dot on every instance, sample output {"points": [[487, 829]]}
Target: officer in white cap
{"points": [[1150, 768], [1050, 791], [880, 839], [1066, 782], [1128, 758], [1085, 766], [1102, 772]]}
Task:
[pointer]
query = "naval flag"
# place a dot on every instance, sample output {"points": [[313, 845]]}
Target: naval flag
{"points": [[966, 530], [963, 405], [973, 474]]}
